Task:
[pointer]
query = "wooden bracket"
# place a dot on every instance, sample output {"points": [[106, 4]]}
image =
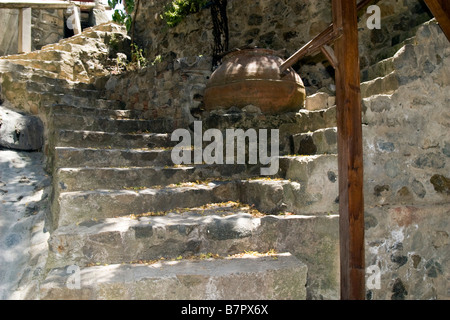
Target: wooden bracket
{"points": [[329, 54]]}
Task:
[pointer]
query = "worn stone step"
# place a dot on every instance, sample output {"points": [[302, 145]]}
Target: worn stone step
{"points": [[224, 232], [96, 112], [382, 63], [318, 189], [323, 141], [222, 228], [266, 277], [381, 85], [18, 71], [288, 124], [55, 88], [380, 69], [219, 228], [76, 179], [22, 73], [69, 157], [79, 206], [50, 99], [273, 196], [108, 27], [101, 139], [44, 55], [61, 68], [317, 119], [90, 123]]}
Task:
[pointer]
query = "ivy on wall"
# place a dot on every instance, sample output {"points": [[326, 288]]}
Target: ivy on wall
{"points": [[176, 10]]}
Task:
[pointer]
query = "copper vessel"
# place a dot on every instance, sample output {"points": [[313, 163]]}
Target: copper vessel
{"points": [[252, 77]]}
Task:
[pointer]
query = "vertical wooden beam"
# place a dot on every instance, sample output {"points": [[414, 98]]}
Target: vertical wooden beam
{"points": [[350, 152], [76, 22], [441, 11], [24, 41]]}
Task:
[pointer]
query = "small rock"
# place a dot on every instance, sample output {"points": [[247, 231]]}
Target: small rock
{"points": [[251, 109]]}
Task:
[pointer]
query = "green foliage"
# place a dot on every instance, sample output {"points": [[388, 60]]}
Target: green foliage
{"points": [[122, 17], [177, 10], [138, 56]]}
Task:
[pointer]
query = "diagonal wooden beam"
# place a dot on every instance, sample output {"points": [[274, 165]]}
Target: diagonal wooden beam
{"points": [[441, 11], [326, 37], [350, 152]]}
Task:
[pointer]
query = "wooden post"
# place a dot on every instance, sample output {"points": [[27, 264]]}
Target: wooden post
{"points": [[76, 22], [350, 152], [441, 11], [24, 41]]}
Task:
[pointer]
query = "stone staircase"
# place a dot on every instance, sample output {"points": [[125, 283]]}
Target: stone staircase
{"points": [[119, 203], [136, 226]]}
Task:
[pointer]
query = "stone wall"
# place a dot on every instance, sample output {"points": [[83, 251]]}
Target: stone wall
{"points": [[167, 90], [407, 181], [47, 26], [280, 25]]}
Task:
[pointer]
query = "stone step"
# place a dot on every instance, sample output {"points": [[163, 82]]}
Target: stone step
{"points": [[81, 41], [259, 278], [44, 55], [323, 141], [381, 85], [289, 123], [50, 99], [78, 179], [219, 228], [108, 27], [317, 119], [383, 58], [89, 123], [101, 139], [380, 69], [317, 190], [80, 206], [69, 157], [52, 88], [95, 112], [20, 73], [61, 68]]}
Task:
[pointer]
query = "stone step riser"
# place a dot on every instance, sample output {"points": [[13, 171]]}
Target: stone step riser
{"points": [[151, 238], [50, 88], [99, 139], [323, 141], [73, 179], [82, 157], [95, 112], [76, 207], [382, 85], [267, 196], [281, 277], [74, 122], [49, 99]]}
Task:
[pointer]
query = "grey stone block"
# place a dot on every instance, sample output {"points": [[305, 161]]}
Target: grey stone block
{"points": [[19, 131]]}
